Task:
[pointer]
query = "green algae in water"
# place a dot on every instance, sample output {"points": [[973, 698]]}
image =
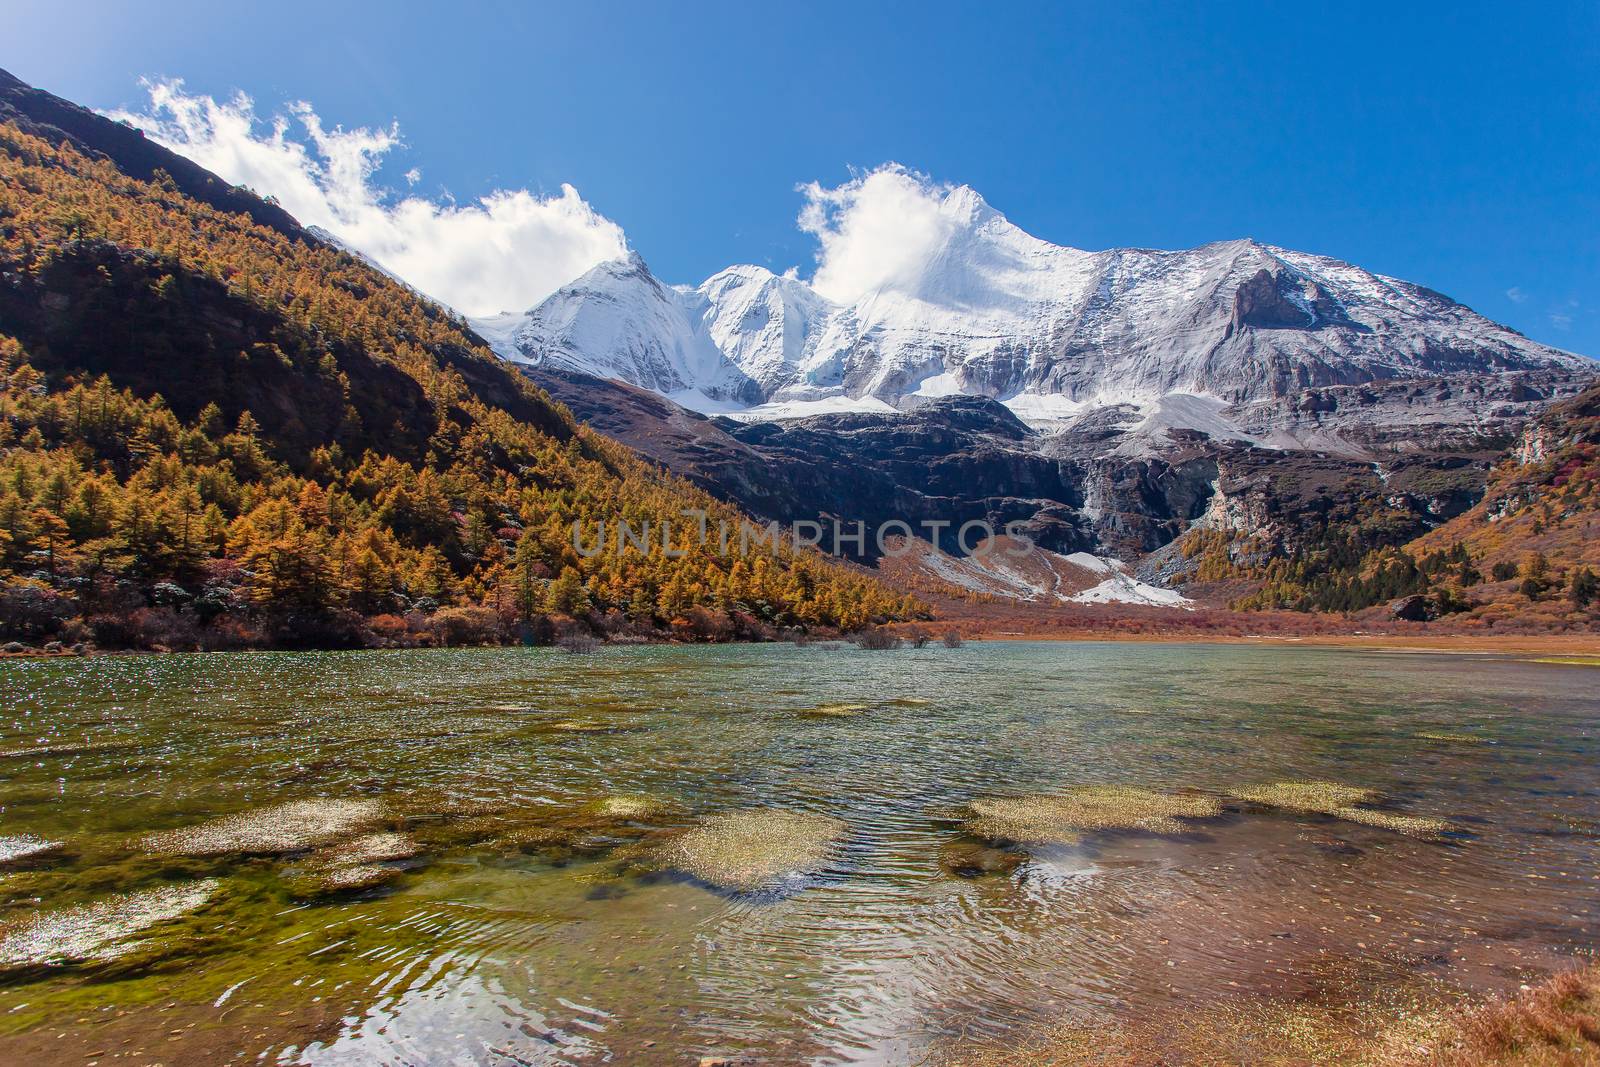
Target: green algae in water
{"points": [[1450, 737], [290, 827], [1063, 819], [593, 827], [1321, 798], [1345, 802], [630, 808], [750, 850], [1422, 826], [67, 748], [24, 846], [834, 711], [585, 726]]}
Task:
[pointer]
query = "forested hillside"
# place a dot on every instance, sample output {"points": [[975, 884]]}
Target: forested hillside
{"points": [[1526, 555], [217, 431], [1535, 537]]}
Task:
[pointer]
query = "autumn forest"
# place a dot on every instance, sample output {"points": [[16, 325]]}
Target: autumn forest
{"points": [[215, 433]]}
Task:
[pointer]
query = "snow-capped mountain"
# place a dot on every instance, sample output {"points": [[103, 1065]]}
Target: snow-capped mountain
{"points": [[993, 311]]}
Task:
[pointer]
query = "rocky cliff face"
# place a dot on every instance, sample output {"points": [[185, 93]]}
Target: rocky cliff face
{"points": [[1119, 484]]}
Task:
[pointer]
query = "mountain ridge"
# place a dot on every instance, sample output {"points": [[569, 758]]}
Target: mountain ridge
{"points": [[990, 310]]}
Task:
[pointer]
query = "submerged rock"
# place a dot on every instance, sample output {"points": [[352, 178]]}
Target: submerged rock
{"points": [[1064, 818], [102, 930], [970, 859], [750, 850], [596, 826], [22, 846], [292, 827]]}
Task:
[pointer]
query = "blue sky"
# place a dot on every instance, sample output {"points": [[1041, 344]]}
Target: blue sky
{"points": [[1457, 146]]}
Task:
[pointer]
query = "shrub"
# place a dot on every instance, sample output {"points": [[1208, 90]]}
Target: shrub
{"points": [[577, 641], [454, 627], [876, 638], [1584, 588], [389, 631], [146, 628], [29, 611], [707, 625], [229, 633], [320, 628]]}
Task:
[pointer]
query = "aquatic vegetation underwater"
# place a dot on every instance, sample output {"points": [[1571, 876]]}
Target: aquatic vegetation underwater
{"points": [[751, 850], [1064, 818], [1322, 798], [1450, 736], [290, 827], [834, 711], [103, 930], [1342, 802], [21, 846]]}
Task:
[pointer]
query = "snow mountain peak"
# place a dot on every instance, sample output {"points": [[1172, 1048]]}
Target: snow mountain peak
{"points": [[988, 309]]}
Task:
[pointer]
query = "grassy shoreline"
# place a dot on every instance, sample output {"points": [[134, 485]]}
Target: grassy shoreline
{"points": [[1575, 647]]}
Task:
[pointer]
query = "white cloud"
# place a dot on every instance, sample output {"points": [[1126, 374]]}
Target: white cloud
{"points": [[877, 231], [508, 251], [1516, 294]]}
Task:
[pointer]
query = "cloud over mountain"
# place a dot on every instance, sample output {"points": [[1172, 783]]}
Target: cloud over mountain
{"points": [[509, 249], [876, 232]]}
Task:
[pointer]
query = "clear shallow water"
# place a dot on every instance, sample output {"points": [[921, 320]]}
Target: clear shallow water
{"points": [[480, 954]]}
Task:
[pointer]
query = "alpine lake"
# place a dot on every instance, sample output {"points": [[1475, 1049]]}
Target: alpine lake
{"points": [[772, 853]]}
